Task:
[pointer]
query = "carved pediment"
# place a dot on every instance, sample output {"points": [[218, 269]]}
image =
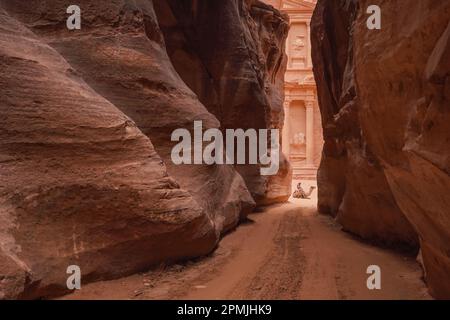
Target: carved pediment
{"points": [[298, 5]]}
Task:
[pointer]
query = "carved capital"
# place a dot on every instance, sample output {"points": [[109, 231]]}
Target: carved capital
{"points": [[309, 104]]}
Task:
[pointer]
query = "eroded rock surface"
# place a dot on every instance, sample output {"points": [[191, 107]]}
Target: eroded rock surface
{"points": [[80, 183], [384, 97], [85, 145], [231, 54], [120, 53]]}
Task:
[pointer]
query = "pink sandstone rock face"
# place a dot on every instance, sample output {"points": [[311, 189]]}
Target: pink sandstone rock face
{"points": [[120, 52], [85, 145], [231, 54], [384, 96], [80, 183]]}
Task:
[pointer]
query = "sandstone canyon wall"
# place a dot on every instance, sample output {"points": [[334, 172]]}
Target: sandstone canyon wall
{"points": [[81, 184], [85, 126], [231, 54], [384, 97]]}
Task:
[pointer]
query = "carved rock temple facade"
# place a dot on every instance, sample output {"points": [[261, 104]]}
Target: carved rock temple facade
{"points": [[302, 126]]}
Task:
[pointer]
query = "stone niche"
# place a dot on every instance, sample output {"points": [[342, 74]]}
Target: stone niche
{"points": [[297, 123]]}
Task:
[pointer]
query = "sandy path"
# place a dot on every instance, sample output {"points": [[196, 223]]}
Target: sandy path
{"points": [[287, 252]]}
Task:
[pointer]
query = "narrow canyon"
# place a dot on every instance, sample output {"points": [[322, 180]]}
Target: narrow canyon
{"points": [[87, 176]]}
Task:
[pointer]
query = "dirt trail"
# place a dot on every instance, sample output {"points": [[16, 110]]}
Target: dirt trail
{"points": [[287, 252]]}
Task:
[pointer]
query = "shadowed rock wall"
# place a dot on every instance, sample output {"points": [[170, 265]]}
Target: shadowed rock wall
{"points": [[231, 54], [384, 97]]}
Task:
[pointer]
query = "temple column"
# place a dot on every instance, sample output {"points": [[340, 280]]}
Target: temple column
{"points": [[286, 129], [309, 133]]}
